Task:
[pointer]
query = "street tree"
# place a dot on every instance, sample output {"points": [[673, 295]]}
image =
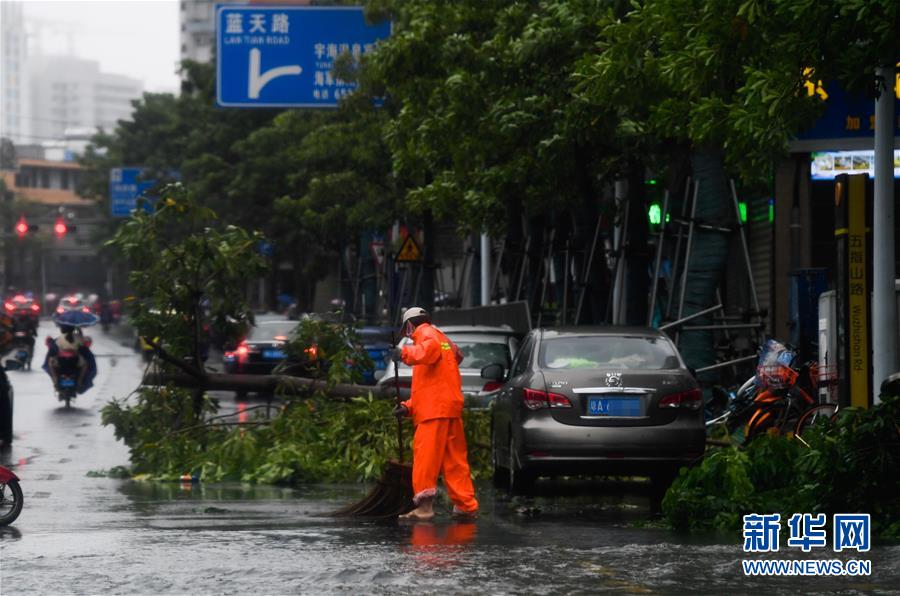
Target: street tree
{"points": [[189, 276], [730, 82]]}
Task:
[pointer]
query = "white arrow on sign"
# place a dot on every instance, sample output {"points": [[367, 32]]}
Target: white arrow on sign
{"points": [[257, 82]]}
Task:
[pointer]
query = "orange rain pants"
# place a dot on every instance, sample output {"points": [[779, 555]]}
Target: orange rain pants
{"points": [[440, 446]]}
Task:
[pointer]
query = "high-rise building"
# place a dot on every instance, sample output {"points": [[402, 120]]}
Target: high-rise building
{"points": [[198, 25], [14, 112], [198, 29], [69, 92]]}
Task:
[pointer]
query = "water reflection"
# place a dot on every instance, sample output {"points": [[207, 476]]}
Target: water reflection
{"points": [[10, 533], [440, 546]]}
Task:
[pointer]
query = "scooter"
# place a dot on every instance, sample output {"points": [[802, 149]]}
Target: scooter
{"points": [[23, 348], [67, 373], [10, 497]]}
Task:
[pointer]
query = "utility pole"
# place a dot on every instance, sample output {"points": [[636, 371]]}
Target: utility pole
{"points": [[485, 269], [884, 303]]}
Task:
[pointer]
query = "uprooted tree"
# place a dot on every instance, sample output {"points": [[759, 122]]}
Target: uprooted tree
{"points": [[189, 278]]}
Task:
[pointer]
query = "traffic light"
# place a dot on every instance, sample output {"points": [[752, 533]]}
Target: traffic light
{"points": [[21, 227], [60, 228]]}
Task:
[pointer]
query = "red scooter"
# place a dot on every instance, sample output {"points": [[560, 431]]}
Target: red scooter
{"points": [[10, 497]]}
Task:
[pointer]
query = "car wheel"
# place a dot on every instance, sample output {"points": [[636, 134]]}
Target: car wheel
{"points": [[500, 477], [520, 481]]}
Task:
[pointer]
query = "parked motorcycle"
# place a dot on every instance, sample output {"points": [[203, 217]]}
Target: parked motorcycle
{"points": [[10, 497]]}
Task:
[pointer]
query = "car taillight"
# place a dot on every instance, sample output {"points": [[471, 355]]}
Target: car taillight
{"points": [[242, 351], [85, 309], [492, 386], [35, 307], [535, 400], [60, 310], [689, 400], [9, 306], [312, 352]]}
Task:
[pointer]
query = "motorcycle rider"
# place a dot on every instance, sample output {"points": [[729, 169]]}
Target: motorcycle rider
{"points": [[25, 331], [71, 339]]}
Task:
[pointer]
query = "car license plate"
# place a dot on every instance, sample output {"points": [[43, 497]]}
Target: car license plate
{"points": [[614, 406], [64, 382], [273, 354]]}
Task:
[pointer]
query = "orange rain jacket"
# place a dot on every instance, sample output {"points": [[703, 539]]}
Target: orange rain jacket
{"points": [[436, 384]]}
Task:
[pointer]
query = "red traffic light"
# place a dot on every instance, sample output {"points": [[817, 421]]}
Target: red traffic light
{"points": [[60, 228], [22, 227]]}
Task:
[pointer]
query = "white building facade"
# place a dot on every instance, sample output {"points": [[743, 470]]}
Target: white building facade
{"points": [[68, 92], [198, 28], [14, 104]]}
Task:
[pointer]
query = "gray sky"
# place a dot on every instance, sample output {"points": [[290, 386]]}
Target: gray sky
{"points": [[138, 38]]}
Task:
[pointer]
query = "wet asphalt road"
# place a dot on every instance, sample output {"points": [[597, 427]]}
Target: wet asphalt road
{"points": [[82, 534]]}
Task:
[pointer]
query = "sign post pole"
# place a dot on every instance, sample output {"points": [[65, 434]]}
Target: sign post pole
{"points": [[884, 302]]}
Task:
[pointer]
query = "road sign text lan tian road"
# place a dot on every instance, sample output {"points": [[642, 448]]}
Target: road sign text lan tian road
{"points": [[283, 56]]}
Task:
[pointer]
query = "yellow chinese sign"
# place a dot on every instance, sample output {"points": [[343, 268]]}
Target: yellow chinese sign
{"points": [[858, 293]]}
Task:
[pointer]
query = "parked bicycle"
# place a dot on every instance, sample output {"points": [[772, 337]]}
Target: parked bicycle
{"points": [[780, 397]]}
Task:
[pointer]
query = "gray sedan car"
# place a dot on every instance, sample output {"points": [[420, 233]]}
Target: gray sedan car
{"points": [[480, 345], [594, 401]]}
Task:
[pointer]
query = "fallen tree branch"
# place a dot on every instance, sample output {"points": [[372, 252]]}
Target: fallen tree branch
{"points": [[269, 384], [166, 357]]}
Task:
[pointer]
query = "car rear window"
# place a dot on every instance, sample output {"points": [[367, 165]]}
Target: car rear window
{"points": [[479, 355], [268, 331], [592, 352]]}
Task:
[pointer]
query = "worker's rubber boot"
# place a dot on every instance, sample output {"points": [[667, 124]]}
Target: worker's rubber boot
{"points": [[424, 512]]}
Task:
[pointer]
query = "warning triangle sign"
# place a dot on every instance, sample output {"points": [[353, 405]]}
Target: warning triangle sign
{"points": [[409, 252]]}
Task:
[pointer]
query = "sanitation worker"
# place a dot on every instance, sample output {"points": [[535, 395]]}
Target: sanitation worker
{"points": [[436, 404]]}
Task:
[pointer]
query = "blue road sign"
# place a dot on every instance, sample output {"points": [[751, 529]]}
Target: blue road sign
{"points": [[283, 56], [847, 116], [124, 190]]}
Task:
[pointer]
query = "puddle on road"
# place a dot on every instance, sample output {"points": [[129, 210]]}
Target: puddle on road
{"points": [[577, 542]]}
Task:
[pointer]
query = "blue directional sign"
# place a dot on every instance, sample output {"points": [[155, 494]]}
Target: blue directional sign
{"points": [[283, 56], [125, 187]]}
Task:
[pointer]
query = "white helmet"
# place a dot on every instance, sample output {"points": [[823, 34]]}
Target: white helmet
{"points": [[412, 313]]}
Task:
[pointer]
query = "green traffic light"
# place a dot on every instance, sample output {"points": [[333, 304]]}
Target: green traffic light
{"points": [[655, 214]]}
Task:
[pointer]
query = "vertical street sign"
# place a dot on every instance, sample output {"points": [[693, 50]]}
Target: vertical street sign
{"points": [[854, 278], [283, 56], [125, 187]]}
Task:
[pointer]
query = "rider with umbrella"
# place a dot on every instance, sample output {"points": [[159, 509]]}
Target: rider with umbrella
{"points": [[72, 340]]}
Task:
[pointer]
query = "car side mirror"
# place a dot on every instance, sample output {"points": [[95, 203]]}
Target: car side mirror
{"points": [[493, 372], [48, 341], [88, 341]]}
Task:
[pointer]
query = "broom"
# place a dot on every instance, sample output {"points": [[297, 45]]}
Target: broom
{"points": [[392, 495]]}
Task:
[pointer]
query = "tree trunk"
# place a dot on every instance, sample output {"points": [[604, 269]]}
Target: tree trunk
{"points": [[270, 384], [637, 255]]}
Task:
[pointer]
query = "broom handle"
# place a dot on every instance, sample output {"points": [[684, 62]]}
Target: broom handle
{"points": [[399, 420]]}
